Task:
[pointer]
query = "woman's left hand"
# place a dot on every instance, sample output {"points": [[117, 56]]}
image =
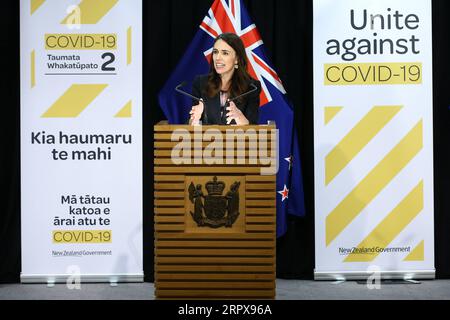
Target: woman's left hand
{"points": [[235, 114]]}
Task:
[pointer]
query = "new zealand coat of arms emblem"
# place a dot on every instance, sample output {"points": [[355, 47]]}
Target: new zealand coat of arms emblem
{"points": [[216, 210]]}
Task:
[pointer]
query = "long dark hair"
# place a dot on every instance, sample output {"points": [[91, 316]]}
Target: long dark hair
{"points": [[240, 78]]}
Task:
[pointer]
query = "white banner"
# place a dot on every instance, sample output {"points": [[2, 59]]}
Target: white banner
{"points": [[81, 140], [373, 142]]}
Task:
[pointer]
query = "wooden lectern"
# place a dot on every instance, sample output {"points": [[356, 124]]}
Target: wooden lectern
{"points": [[215, 211]]}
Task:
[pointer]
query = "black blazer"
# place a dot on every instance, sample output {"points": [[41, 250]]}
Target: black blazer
{"points": [[249, 105]]}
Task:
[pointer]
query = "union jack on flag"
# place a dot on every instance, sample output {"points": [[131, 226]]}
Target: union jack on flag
{"points": [[231, 16]]}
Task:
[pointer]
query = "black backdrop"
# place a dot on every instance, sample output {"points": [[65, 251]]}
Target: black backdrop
{"points": [[169, 26]]}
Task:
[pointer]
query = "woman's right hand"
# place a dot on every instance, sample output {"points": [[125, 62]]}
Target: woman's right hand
{"points": [[196, 113]]}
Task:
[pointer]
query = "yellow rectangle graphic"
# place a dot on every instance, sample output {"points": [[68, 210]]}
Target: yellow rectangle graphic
{"points": [[78, 41], [82, 236], [344, 74], [129, 32], [33, 69]]}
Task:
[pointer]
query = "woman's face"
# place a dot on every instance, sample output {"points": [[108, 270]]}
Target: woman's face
{"points": [[224, 58]]}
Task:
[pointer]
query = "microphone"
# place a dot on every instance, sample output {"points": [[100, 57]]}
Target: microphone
{"points": [[223, 108], [245, 93], [178, 89]]}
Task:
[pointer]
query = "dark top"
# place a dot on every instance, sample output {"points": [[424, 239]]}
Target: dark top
{"points": [[249, 105]]}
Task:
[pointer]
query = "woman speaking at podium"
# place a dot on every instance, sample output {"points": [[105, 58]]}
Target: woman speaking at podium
{"points": [[229, 95]]}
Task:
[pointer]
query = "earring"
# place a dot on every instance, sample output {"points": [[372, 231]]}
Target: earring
{"points": [[236, 66]]}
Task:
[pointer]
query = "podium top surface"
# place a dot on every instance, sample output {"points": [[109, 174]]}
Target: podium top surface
{"points": [[165, 126]]}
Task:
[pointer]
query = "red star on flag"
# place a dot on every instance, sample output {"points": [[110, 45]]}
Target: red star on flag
{"points": [[284, 193]]}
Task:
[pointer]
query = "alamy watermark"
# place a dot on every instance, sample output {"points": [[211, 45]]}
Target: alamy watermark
{"points": [[74, 278], [74, 17], [232, 147], [374, 279]]}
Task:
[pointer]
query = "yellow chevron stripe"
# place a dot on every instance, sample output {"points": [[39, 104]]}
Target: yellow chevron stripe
{"points": [[74, 101], [92, 11], [125, 112], [331, 112], [418, 253], [35, 4], [33, 69], [341, 216], [361, 134], [391, 226], [129, 46]]}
